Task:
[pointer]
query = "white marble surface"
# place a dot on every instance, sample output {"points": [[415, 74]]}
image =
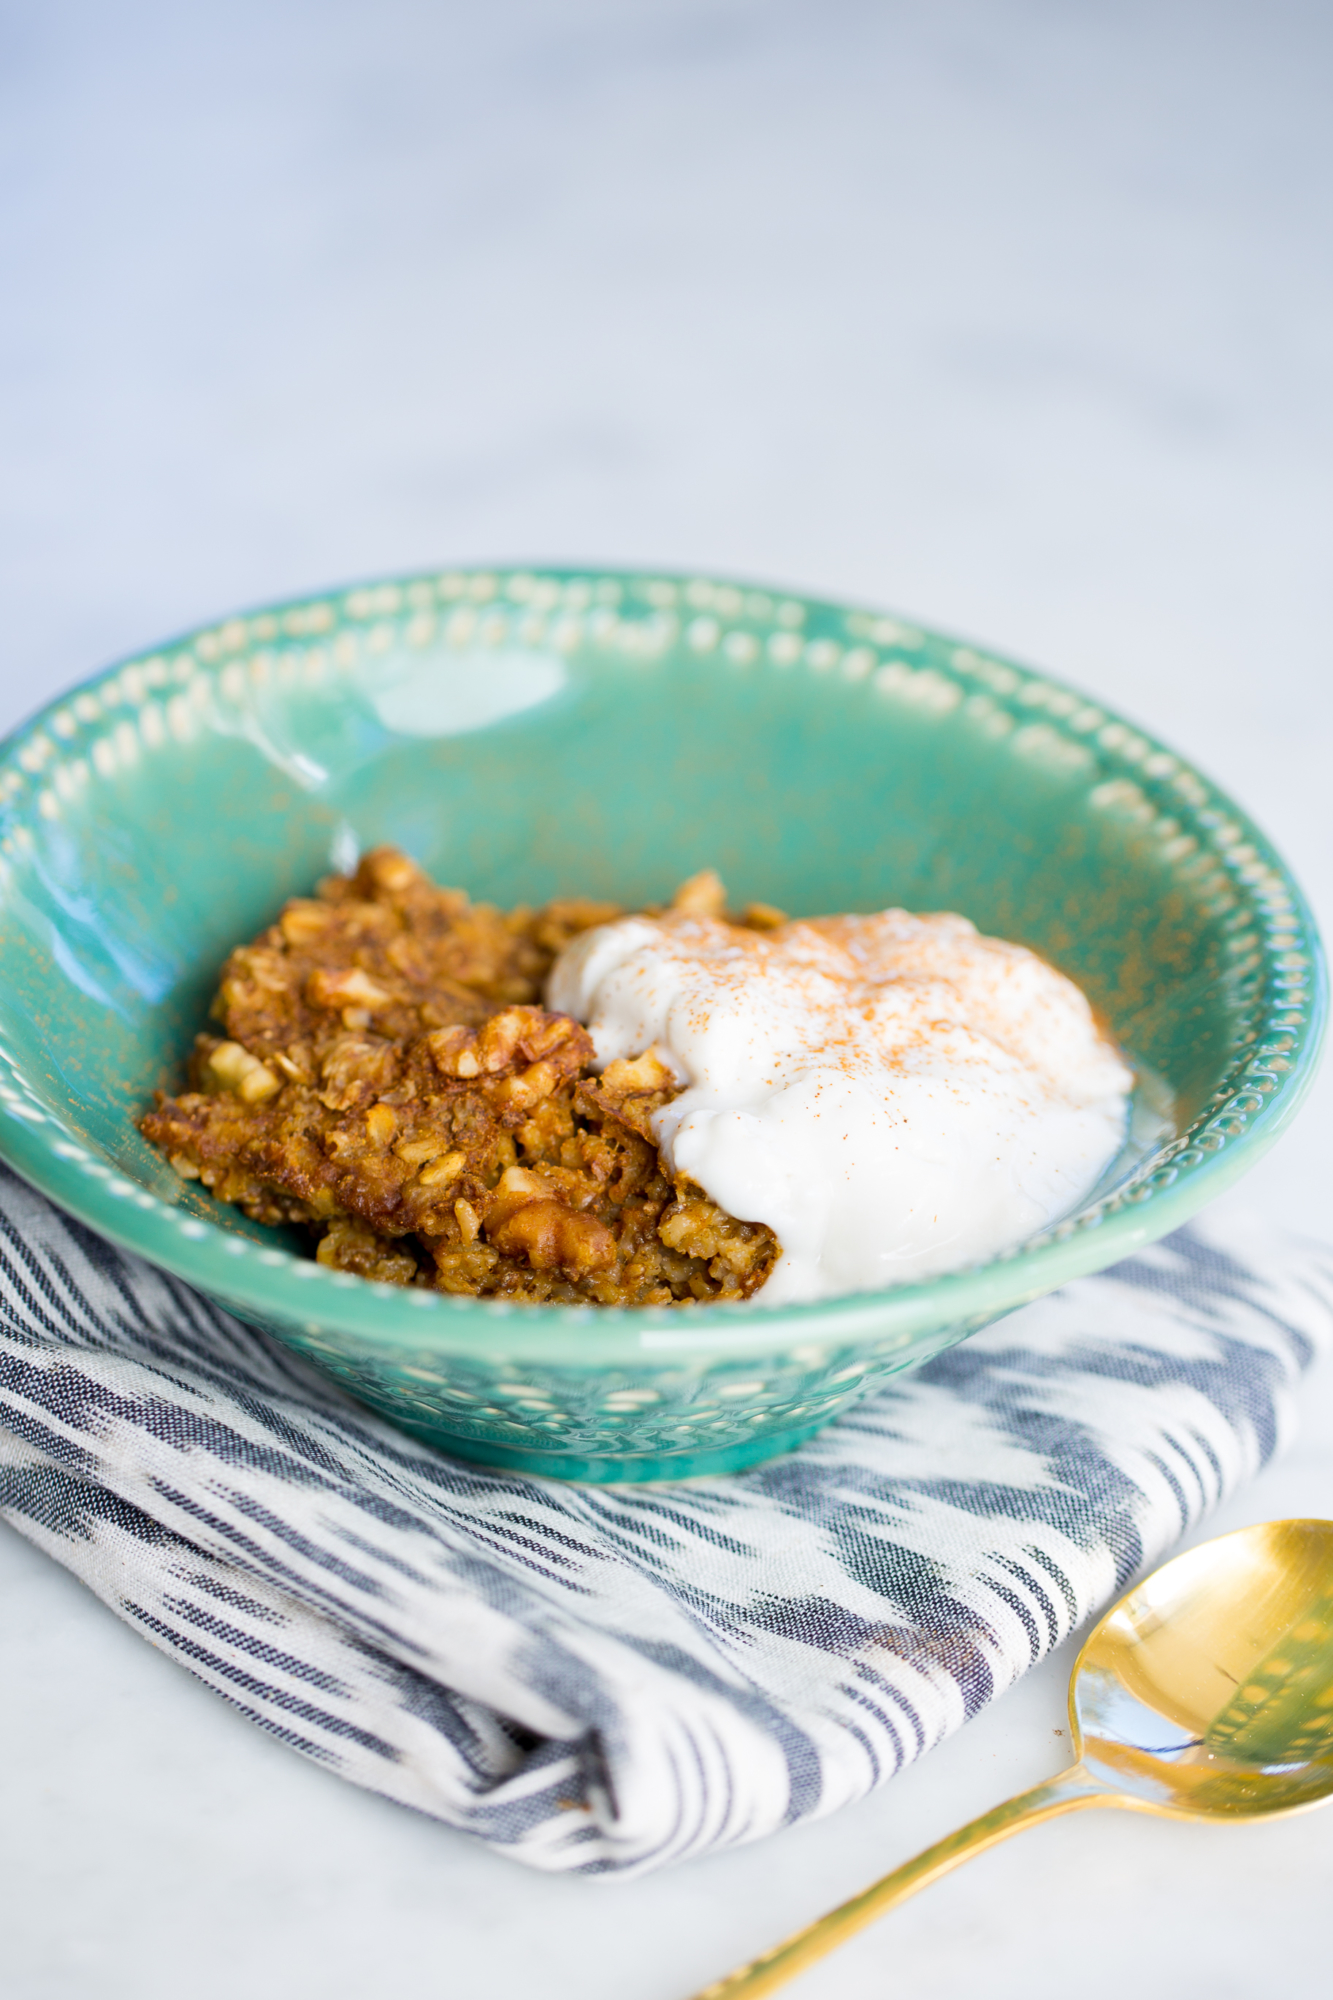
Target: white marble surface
{"points": [[1017, 317]]}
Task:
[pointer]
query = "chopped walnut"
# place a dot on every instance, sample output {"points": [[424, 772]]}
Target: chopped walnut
{"points": [[702, 896]]}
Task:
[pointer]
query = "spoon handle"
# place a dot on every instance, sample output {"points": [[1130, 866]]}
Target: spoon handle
{"points": [[1073, 1788]]}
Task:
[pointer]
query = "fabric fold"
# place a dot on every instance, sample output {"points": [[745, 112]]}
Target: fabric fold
{"points": [[613, 1678]]}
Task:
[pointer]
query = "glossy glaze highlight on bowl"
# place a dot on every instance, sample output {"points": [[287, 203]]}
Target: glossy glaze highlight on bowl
{"points": [[531, 733]]}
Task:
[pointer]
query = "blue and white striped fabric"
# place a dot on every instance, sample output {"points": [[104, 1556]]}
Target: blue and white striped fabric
{"points": [[609, 1678]]}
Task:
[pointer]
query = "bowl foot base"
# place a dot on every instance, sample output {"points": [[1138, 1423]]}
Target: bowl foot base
{"points": [[688, 1464]]}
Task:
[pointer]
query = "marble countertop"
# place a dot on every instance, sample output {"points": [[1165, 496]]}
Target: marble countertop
{"points": [[1016, 319]]}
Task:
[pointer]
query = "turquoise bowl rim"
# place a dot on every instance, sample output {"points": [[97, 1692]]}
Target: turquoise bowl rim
{"points": [[1248, 1112]]}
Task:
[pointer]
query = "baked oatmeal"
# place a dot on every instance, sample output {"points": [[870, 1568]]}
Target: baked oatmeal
{"points": [[651, 1108], [385, 1075]]}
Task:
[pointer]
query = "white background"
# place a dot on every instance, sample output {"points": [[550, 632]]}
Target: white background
{"points": [[1017, 318]]}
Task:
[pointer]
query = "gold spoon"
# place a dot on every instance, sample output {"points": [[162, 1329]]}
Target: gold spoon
{"points": [[1206, 1693]]}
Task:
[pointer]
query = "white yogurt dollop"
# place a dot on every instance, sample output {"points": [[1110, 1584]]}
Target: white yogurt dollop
{"points": [[894, 1095]]}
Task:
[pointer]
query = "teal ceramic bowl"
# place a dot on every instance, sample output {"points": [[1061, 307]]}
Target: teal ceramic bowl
{"points": [[530, 734]]}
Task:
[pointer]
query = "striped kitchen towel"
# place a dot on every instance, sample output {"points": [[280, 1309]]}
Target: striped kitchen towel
{"points": [[611, 1678]]}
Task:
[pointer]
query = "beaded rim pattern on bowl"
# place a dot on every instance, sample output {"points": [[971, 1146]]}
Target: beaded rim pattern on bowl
{"points": [[154, 701]]}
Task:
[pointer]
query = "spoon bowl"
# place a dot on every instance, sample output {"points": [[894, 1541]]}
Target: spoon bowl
{"points": [[1205, 1693]]}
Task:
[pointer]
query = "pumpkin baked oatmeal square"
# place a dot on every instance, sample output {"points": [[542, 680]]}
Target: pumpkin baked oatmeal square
{"points": [[385, 1076]]}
